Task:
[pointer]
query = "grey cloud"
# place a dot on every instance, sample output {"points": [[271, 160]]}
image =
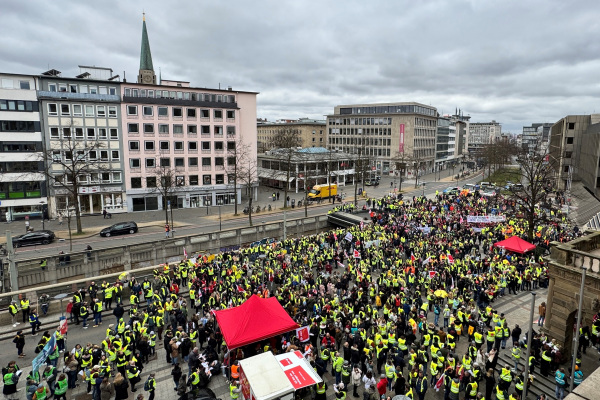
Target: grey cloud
{"points": [[513, 61]]}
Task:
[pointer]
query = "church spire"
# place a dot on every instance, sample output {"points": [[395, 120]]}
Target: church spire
{"points": [[146, 74]]}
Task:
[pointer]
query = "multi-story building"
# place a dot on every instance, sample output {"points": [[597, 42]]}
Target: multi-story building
{"points": [[81, 119], [22, 182], [445, 152], [482, 133], [535, 137], [311, 132], [179, 140], [574, 151], [384, 132]]}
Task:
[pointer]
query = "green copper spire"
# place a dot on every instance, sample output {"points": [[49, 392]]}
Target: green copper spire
{"points": [[145, 56]]}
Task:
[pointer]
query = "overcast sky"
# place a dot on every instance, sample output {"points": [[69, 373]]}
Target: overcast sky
{"points": [[516, 62]]}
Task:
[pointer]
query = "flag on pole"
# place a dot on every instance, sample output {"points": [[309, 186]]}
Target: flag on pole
{"points": [[185, 253], [46, 351], [303, 333], [356, 254], [240, 289], [450, 259], [432, 274], [440, 382], [340, 265], [63, 326], [412, 258], [426, 261]]}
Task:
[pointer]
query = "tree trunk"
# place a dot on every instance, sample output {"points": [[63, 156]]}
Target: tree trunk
{"points": [[250, 208], [235, 203]]}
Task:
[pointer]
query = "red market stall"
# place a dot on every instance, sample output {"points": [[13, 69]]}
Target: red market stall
{"points": [[254, 320], [266, 376], [515, 244]]}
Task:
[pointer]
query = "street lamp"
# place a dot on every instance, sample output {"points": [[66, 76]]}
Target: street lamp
{"points": [[42, 212], [220, 203]]}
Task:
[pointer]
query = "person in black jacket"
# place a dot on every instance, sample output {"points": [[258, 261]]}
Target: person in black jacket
{"points": [[19, 341]]}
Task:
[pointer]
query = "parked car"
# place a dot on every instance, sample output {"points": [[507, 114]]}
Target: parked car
{"points": [[121, 228], [472, 187], [453, 191], [488, 193], [517, 187], [32, 238], [262, 242]]}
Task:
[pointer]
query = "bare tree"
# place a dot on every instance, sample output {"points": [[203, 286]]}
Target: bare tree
{"points": [[248, 175], [536, 174], [288, 140], [238, 154], [69, 160], [164, 183], [402, 161]]}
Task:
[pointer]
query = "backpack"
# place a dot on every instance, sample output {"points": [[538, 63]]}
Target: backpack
{"points": [[147, 384]]}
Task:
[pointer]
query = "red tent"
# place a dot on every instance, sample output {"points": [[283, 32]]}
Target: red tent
{"points": [[515, 244], [254, 320]]}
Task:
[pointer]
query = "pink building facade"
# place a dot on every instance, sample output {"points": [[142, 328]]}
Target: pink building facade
{"points": [[183, 134]]}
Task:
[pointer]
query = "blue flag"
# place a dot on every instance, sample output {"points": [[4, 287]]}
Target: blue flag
{"points": [[46, 351]]}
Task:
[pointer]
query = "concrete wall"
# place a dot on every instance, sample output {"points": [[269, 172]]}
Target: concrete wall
{"points": [[133, 257], [565, 266]]}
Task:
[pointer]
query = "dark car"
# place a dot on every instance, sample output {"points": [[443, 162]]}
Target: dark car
{"points": [[31, 238], [121, 228]]}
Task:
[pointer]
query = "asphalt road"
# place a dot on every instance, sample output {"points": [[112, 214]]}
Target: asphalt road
{"points": [[196, 221]]}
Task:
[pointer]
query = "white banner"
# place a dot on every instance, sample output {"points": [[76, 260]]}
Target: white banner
{"points": [[348, 237], [485, 219]]}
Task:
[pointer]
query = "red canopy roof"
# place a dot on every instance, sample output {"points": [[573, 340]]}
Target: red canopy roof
{"points": [[515, 244], [254, 320]]}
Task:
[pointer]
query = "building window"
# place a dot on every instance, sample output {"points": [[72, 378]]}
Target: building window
{"points": [[114, 134], [148, 111], [79, 133], [230, 146], [89, 111], [570, 140], [205, 129], [205, 146], [103, 155], [177, 129], [571, 125], [133, 128], [163, 111], [218, 146], [231, 130], [163, 145], [149, 145], [150, 163], [65, 109], [148, 128], [179, 146], [101, 111], [568, 154], [177, 112], [91, 133], [132, 110], [219, 179], [77, 110], [219, 161], [66, 132], [134, 145], [192, 129], [102, 133], [192, 161], [116, 177], [179, 180], [206, 179], [114, 155], [218, 129], [218, 114], [204, 113], [135, 163], [136, 183], [165, 162], [179, 162], [231, 161], [24, 85], [230, 114], [163, 129], [206, 162], [191, 113], [193, 180], [151, 182], [92, 155], [52, 109], [193, 146], [112, 112]]}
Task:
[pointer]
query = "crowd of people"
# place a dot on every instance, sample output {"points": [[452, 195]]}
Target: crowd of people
{"points": [[387, 302]]}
